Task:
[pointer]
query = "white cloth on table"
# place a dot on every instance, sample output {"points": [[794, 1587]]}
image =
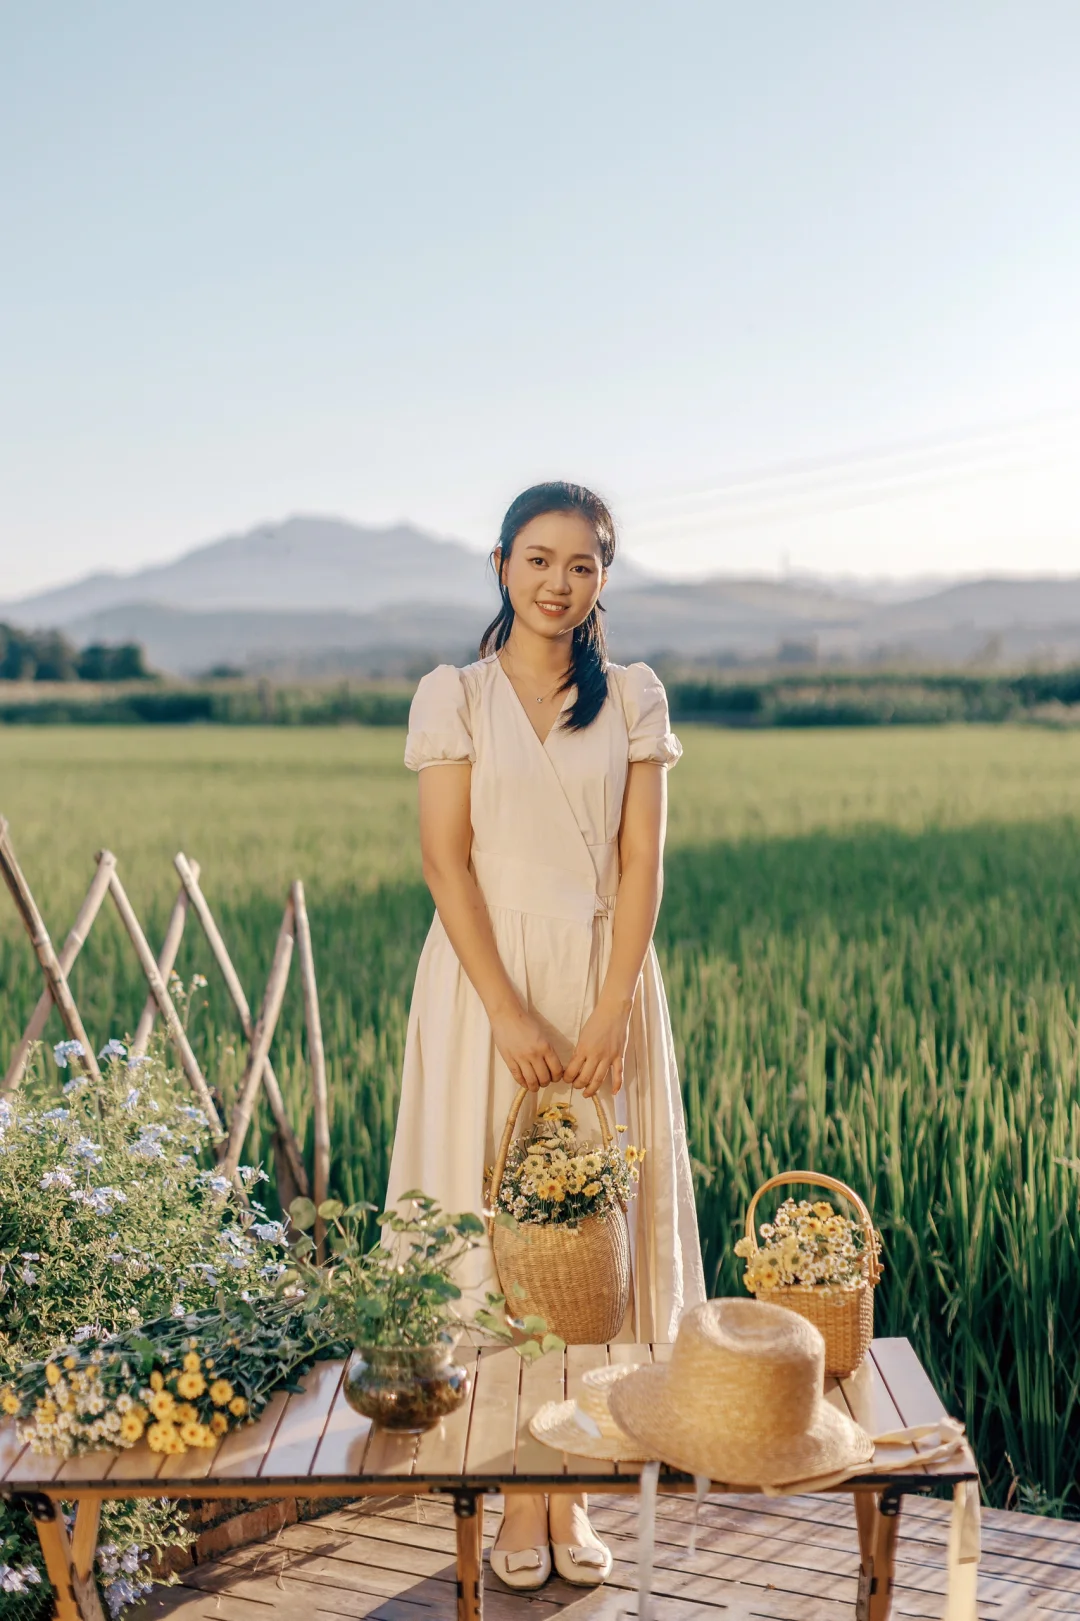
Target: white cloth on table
{"points": [[545, 824]]}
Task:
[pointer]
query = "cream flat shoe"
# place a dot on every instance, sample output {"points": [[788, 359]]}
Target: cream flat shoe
{"points": [[524, 1569], [582, 1564]]}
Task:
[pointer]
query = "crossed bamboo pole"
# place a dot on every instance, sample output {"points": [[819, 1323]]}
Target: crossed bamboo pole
{"points": [[294, 932]]}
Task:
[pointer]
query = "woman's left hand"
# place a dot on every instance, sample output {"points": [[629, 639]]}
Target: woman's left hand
{"points": [[601, 1047]]}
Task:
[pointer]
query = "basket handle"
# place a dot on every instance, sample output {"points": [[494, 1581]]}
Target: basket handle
{"points": [[820, 1180], [508, 1136]]}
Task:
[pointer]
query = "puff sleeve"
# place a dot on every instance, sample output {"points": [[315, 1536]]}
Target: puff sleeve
{"points": [[439, 732], [646, 708]]}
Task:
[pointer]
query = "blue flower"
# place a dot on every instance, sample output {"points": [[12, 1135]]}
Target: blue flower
{"points": [[132, 1098], [28, 1274], [76, 1084], [252, 1173], [146, 1148], [113, 1049], [102, 1201], [189, 1112], [138, 1061], [68, 1049], [56, 1179], [86, 1150], [218, 1184], [17, 1581], [269, 1232]]}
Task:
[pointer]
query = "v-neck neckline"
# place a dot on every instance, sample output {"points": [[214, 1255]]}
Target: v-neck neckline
{"points": [[542, 741]]}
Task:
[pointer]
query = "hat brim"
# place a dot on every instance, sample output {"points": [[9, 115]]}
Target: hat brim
{"points": [[556, 1425], [677, 1433]]}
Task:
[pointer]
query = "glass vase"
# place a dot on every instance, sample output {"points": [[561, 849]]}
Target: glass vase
{"points": [[405, 1388]]}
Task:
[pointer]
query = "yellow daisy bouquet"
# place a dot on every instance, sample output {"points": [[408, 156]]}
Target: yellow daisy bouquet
{"points": [[554, 1176], [178, 1384], [806, 1244]]}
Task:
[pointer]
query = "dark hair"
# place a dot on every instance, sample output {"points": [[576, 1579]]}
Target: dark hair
{"points": [[588, 654]]}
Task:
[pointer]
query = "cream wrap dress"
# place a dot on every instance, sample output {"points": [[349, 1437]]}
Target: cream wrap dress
{"points": [[545, 824]]}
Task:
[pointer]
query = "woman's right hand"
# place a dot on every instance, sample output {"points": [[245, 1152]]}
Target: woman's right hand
{"points": [[528, 1054]]}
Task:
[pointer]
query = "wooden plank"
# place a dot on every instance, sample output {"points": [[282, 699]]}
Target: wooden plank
{"points": [[541, 1381], [580, 1359], [661, 1350], [194, 1464], [391, 1452], [493, 1430], [907, 1381], [633, 1356], [138, 1463], [344, 1441], [11, 1448], [867, 1398], [243, 1450], [442, 1450], [297, 1438], [31, 1467], [91, 1466]]}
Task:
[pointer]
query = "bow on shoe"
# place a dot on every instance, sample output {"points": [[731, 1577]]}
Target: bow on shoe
{"points": [[526, 1559]]}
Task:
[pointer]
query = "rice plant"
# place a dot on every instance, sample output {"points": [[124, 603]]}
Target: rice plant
{"points": [[871, 952]]}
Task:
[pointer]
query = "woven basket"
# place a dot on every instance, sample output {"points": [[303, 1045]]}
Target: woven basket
{"points": [[844, 1314], [576, 1278]]}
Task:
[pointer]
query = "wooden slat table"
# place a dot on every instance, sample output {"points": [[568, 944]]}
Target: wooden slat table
{"points": [[312, 1445]]}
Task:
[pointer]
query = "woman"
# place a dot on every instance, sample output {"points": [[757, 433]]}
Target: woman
{"points": [[549, 802]]}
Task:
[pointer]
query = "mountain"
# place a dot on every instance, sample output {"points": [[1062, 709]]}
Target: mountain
{"points": [[313, 595], [305, 564]]}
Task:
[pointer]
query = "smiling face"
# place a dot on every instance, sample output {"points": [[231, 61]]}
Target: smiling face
{"points": [[554, 574]]}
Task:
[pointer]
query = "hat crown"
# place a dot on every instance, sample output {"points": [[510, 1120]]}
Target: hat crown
{"points": [[745, 1357]]}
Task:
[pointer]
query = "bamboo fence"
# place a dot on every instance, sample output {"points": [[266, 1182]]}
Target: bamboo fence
{"points": [[258, 1073]]}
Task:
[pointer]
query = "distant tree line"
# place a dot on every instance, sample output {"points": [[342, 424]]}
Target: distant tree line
{"points": [[854, 698], [47, 655]]}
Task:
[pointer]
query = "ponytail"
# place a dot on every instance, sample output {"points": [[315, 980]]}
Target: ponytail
{"points": [[588, 648]]}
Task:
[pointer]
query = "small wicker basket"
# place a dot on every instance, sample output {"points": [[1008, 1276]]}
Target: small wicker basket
{"points": [[576, 1278], [843, 1312]]}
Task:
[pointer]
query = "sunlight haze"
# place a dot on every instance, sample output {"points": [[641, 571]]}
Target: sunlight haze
{"points": [[794, 287]]}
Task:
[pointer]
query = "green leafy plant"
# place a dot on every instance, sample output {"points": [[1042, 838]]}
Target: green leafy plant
{"points": [[114, 1221], [398, 1292]]}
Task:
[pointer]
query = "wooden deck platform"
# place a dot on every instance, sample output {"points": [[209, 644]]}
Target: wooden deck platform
{"points": [[784, 1559]]}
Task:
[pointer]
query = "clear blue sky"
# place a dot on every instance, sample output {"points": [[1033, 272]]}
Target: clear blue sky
{"points": [[795, 285]]}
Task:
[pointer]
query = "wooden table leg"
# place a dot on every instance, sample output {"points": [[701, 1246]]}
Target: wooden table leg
{"points": [[866, 1514], [70, 1565], [878, 1518], [887, 1532], [469, 1519]]}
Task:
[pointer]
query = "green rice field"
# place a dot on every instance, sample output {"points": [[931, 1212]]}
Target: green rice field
{"points": [[871, 941]]}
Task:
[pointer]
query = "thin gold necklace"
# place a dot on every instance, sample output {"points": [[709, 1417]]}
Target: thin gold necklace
{"points": [[545, 696]]}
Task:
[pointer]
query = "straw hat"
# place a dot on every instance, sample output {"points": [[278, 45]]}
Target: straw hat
{"points": [[742, 1400], [586, 1426]]}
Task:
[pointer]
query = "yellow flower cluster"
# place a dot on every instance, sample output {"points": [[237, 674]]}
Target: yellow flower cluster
{"points": [[805, 1246], [76, 1414], [554, 1177], [178, 1425]]}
